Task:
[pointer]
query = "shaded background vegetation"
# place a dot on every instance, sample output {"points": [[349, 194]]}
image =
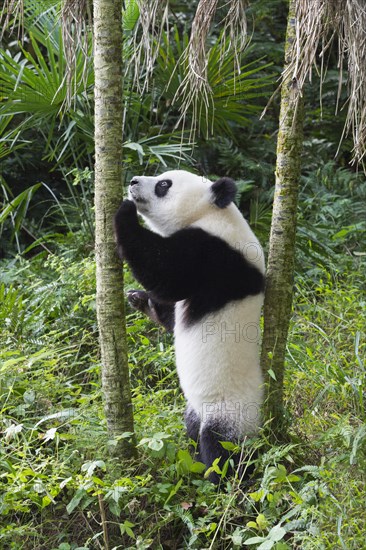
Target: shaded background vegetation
{"points": [[58, 489]]}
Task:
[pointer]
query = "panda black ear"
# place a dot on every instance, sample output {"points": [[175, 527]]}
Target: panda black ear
{"points": [[224, 192]]}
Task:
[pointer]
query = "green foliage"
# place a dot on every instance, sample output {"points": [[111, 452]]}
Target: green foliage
{"points": [[331, 218], [58, 487], [73, 213], [34, 111], [33, 82], [7, 137], [58, 483], [33, 85], [232, 94]]}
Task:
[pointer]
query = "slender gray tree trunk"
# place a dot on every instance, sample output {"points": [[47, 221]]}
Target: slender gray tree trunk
{"points": [[280, 268], [108, 195]]}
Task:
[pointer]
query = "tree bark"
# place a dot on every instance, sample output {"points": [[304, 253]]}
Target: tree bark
{"points": [[280, 268], [108, 195]]}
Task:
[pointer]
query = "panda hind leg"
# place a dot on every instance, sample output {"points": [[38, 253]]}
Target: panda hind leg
{"points": [[211, 449], [193, 424], [213, 432], [163, 314]]}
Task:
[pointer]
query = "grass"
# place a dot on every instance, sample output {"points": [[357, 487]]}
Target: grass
{"points": [[60, 490]]}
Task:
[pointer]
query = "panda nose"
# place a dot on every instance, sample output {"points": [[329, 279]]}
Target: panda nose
{"points": [[134, 181]]}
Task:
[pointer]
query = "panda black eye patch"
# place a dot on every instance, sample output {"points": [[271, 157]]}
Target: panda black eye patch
{"points": [[162, 187]]}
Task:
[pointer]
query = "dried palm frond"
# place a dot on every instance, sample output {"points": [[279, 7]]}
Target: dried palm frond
{"points": [[235, 26], [352, 39], [318, 22], [195, 89], [76, 18], [11, 8], [153, 18]]}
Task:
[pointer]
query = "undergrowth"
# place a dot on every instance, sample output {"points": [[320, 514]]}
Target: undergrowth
{"points": [[59, 489]]}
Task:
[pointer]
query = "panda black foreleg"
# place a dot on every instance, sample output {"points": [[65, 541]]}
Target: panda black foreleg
{"points": [[163, 314]]}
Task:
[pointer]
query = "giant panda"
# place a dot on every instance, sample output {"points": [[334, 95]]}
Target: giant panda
{"points": [[203, 273]]}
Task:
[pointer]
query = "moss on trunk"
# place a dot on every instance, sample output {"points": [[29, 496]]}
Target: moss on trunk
{"points": [[108, 195], [280, 267]]}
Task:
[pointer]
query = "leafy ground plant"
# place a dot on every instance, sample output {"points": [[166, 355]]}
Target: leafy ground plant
{"points": [[58, 487]]}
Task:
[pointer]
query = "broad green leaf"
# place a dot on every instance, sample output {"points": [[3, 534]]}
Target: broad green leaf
{"points": [[277, 533], [74, 502]]}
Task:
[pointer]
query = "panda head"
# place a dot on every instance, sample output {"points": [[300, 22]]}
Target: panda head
{"points": [[178, 199]]}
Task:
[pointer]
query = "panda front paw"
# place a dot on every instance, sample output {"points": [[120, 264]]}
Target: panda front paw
{"points": [[126, 208], [126, 224], [126, 213], [138, 299]]}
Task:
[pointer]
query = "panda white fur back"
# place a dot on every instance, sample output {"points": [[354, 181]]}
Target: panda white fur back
{"points": [[215, 363], [203, 271]]}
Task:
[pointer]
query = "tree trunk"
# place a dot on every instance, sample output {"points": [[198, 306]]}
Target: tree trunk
{"points": [[280, 268], [108, 195]]}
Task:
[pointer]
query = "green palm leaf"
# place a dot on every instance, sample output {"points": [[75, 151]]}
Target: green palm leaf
{"points": [[229, 102]]}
